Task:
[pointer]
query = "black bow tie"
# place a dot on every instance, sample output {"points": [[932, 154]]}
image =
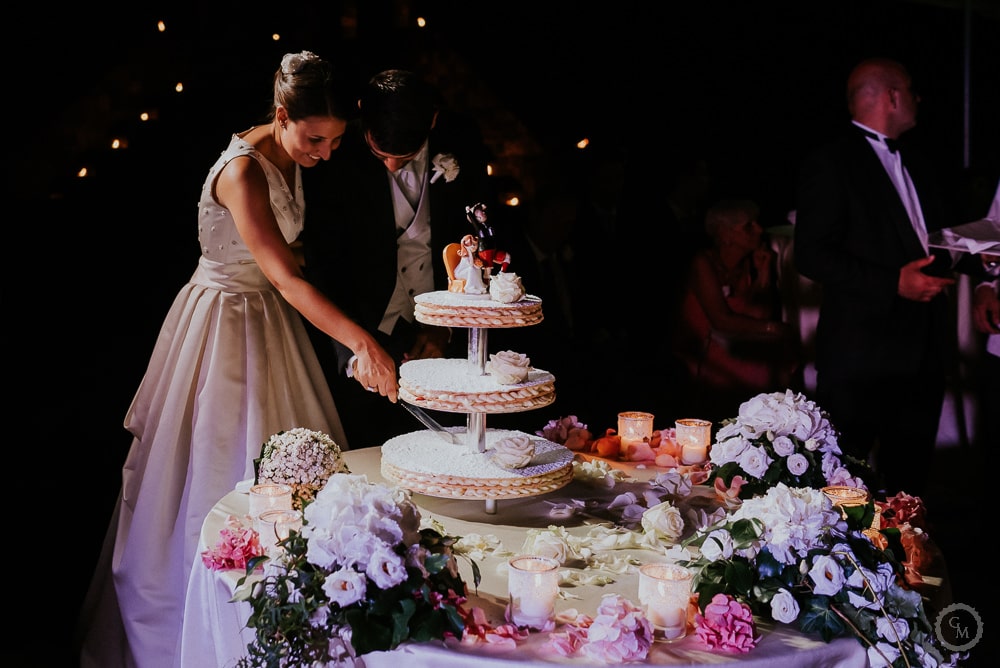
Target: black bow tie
{"points": [[892, 144]]}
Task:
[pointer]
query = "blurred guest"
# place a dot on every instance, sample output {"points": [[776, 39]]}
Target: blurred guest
{"points": [[379, 214], [730, 335], [986, 318], [232, 365], [885, 337]]}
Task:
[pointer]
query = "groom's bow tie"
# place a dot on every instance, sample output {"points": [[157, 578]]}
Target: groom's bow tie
{"points": [[892, 144]]}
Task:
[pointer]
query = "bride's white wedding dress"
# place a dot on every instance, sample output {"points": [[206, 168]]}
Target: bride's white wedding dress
{"points": [[233, 364]]}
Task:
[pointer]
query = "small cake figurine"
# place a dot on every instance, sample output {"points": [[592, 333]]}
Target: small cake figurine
{"points": [[488, 254], [470, 267]]}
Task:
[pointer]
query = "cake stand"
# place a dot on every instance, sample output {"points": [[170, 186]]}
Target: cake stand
{"points": [[477, 355]]}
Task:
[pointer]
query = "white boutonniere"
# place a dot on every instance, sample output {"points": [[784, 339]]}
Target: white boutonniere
{"points": [[444, 163]]}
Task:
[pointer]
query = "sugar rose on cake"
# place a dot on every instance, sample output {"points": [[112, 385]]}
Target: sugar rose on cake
{"points": [[509, 367], [506, 287], [514, 452]]}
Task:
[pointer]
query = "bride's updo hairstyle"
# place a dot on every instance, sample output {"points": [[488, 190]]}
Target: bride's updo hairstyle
{"points": [[307, 85]]}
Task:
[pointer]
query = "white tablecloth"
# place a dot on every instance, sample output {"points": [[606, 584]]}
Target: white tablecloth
{"points": [[214, 632]]}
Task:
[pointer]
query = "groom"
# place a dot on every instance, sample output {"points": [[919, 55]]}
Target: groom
{"points": [[378, 215]]}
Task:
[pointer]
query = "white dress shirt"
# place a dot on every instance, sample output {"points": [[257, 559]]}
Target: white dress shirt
{"points": [[894, 167]]}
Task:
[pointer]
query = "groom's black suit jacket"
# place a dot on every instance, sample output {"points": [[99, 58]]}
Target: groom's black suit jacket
{"points": [[349, 242], [350, 229], [852, 235]]}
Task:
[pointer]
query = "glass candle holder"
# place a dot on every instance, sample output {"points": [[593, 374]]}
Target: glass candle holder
{"points": [[533, 584], [634, 427], [843, 496], [693, 436], [269, 496], [274, 526], [665, 592]]}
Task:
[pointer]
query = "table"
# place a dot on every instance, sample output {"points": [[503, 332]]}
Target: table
{"points": [[214, 626]]}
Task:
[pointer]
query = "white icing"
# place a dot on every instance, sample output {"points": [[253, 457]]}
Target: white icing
{"points": [[425, 452], [462, 376]]}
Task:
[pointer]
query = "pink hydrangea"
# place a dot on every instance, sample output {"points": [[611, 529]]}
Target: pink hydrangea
{"points": [[727, 625], [620, 633], [237, 545]]}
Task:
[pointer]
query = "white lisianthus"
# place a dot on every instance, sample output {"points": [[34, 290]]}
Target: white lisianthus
{"points": [[718, 545], [664, 520], [755, 460], [784, 607], [797, 464], [827, 576], [345, 586], [892, 630], [727, 450], [882, 655]]}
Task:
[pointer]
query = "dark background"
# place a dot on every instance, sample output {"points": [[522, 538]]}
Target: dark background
{"points": [[93, 264]]}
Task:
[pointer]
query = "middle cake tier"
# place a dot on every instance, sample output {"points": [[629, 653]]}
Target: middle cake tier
{"points": [[458, 386]]}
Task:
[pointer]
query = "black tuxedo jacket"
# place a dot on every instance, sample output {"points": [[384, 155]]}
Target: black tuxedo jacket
{"points": [[852, 235], [349, 238]]}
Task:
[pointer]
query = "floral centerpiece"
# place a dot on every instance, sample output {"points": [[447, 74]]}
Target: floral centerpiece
{"points": [[792, 557], [302, 458], [361, 576], [781, 437]]}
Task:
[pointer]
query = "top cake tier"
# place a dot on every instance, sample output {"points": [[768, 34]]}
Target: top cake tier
{"points": [[449, 309]]}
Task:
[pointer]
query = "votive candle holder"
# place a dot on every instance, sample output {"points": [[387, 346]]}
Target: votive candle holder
{"points": [[665, 592], [533, 584], [693, 437]]}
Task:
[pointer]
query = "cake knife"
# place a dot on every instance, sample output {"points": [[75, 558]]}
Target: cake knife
{"points": [[430, 423]]}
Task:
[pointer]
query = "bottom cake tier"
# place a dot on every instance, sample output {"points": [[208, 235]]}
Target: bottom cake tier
{"points": [[422, 462]]}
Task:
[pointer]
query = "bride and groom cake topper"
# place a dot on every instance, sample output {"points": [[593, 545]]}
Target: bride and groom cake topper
{"points": [[470, 262]]}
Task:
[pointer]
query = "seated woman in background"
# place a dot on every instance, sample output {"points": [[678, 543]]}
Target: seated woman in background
{"points": [[730, 336]]}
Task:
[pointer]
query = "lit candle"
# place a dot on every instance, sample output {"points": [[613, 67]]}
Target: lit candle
{"points": [[275, 525], [665, 591], [533, 583], [693, 436], [269, 496], [634, 428]]}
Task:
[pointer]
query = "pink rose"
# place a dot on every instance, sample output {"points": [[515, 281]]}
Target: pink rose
{"points": [[727, 625]]}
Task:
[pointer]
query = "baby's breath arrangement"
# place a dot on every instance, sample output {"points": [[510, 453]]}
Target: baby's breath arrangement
{"points": [[302, 458]]}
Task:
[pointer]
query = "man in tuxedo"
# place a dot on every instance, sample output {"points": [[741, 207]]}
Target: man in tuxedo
{"points": [[885, 334], [378, 215]]}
